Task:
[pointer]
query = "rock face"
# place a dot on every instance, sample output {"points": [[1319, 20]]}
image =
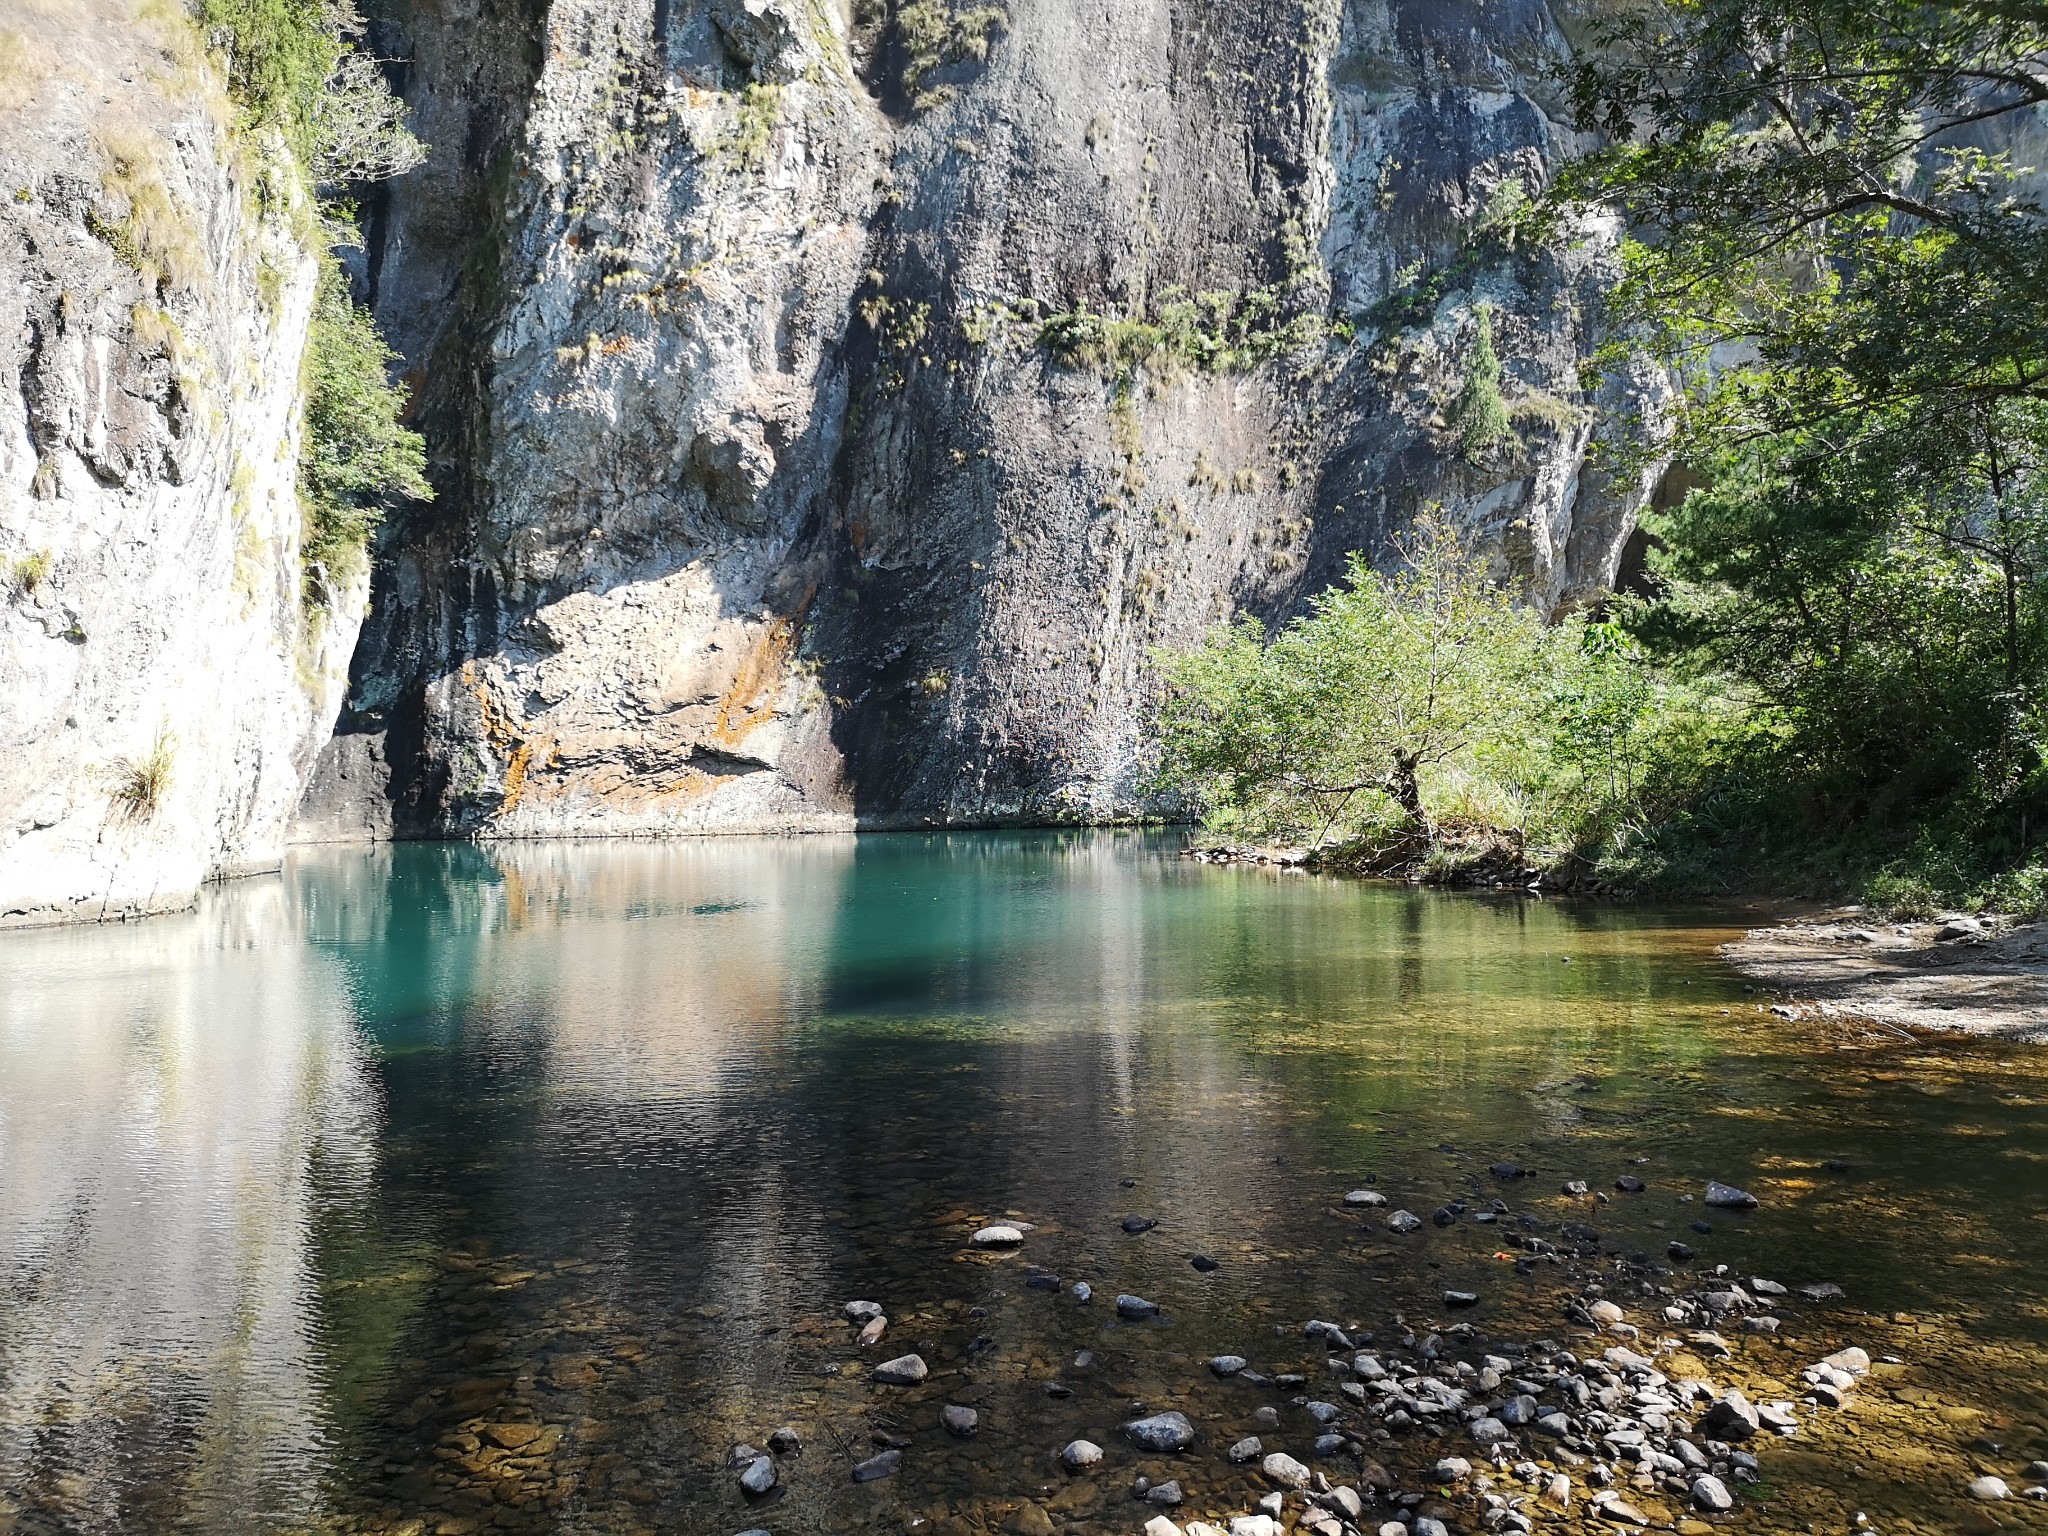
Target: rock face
{"points": [[825, 427], [163, 685]]}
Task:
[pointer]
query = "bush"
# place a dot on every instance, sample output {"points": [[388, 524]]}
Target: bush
{"points": [[356, 451], [1407, 704]]}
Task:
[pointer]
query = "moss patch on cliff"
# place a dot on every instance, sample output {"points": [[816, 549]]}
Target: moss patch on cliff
{"points": [[1214, 332], [930, 36]]}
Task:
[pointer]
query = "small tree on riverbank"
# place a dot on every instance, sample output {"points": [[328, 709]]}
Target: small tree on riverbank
{"points": [[1343, 716]]}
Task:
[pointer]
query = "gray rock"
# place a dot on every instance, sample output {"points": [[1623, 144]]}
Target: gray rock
{"points": [[1490, 1431], [881, 1464], [1777, 1416], [759, 1476], [1135, 1307], [1161, 1432], [1711, 1494], [1404, 1221], [1989, 1487], [1327, 1446], [1323, 1413], [786, 1442], [1452, 1469], [1576, 1187], [1136, 1224], [1727, 1197], [1078, 1455], [1461, 1299], [1821, 1290], [1620, 1511], [1227, 1365], [1285, 1470], [1731, 1418], [1427, 1525], [903, 1371], [1247, 1449], [997, 1237], [1371, 1199], [1082, 1292], [1853, 1360], [959, 1420], [1165, 1495], [863, 1311], [1518, 1411], [1267, 1417], [1555, 1425], [1345, 1501]]}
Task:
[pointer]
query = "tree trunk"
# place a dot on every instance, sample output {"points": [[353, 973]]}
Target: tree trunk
{"points": [[1407, 789]]}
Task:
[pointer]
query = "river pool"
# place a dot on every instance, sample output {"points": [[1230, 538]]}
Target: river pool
{"points": [[445, 1188]]}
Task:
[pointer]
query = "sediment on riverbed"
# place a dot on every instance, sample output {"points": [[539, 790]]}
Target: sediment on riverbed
{"points": [[1592, 1388]]}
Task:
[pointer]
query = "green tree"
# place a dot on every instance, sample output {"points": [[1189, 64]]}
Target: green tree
{"points": [[1387, 677], [1479, 415], [356, 450], [1841, 264]]}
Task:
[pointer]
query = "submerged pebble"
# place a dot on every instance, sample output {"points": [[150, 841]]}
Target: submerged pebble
{"points": [[881, 1464]]}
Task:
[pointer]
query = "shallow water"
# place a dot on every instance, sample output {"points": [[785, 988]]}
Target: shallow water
{"points": [[582, 1146]]}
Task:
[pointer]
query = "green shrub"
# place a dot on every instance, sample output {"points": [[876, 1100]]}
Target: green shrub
{"points": [[356, 453], [1479, 415]]}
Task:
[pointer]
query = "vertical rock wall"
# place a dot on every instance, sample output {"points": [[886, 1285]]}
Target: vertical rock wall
{"points": [[163, 689], [766, 504]]}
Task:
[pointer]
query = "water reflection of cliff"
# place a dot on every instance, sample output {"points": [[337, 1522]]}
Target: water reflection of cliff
{"points": [[181, 1103]]}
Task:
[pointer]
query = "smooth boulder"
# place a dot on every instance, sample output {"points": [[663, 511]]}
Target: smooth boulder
{"points": [[903, 1371], [1285, 1470], [1161, 1432]]}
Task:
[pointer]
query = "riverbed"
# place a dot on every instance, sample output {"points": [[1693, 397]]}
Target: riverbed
{"points": [[445, 1188]]}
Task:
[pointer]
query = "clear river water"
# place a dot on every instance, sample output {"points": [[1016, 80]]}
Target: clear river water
{"points": [[452, 1189]]}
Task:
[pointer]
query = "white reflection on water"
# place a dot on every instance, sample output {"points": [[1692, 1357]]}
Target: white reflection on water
{"points": [[178, 1100]]}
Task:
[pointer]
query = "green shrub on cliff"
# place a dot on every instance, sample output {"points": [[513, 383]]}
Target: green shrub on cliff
{"points": [[294, 70], [356, 451], [299, 81]]}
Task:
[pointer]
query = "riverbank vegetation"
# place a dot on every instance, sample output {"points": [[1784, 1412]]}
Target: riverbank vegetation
{"points": [[1835, 683], [327, 121]]}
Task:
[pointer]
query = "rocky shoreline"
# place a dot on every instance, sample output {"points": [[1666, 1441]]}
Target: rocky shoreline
{"points": [[1640, 1414], [1959, 974]]}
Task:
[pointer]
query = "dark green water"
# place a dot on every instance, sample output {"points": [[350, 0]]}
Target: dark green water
{"points": [[302, 1191]]}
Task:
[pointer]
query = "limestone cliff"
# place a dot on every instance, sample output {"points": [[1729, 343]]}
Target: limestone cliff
{"points": [[163, 688], [832, 411]]}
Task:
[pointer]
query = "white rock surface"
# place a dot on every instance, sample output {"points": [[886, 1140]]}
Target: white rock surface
{"points": [[150, 603]]}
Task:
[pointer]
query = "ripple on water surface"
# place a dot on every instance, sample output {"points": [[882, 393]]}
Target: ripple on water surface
{"points": [[448, 1189]]}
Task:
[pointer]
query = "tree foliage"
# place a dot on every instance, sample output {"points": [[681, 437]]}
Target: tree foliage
{"points": [[295, 70], [356, 451], [1833, 248], [1404, 700]]}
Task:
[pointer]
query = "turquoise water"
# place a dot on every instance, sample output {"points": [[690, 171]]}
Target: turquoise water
{"points": [[307, 1195]]}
